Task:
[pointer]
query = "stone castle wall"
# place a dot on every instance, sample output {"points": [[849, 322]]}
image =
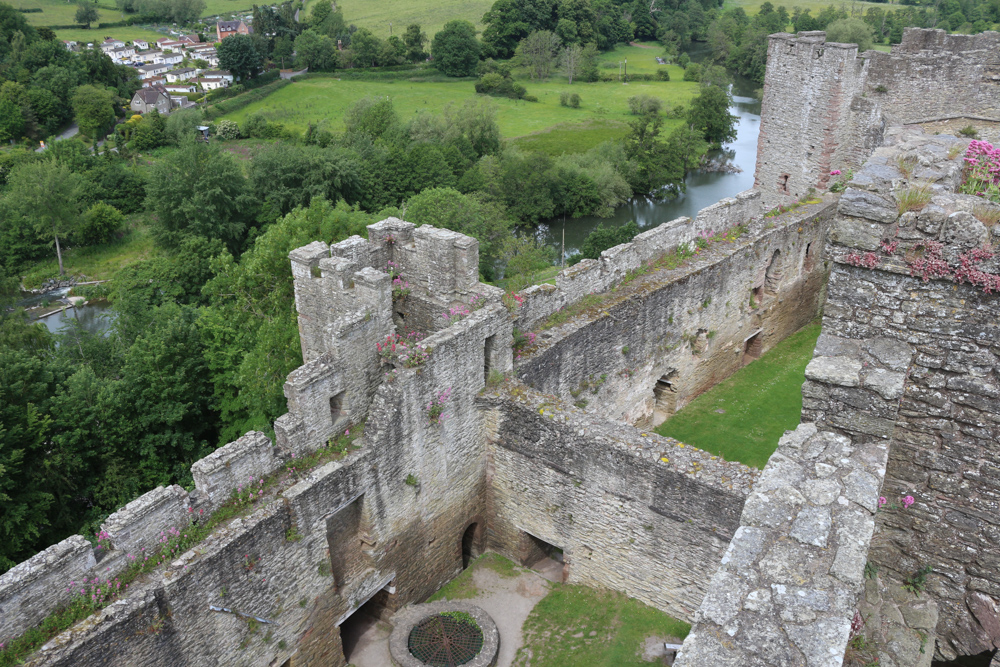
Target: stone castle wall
{"points": [[826, 107], [658, 343], [630, 510], [904, 376]]}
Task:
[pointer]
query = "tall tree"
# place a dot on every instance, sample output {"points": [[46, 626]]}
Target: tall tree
{"points": [[414, 40], [315, 51], [456, 49], [572, 61], [537, 53], [238, 55], [86, 14], [48, 195], [709, 114], [94, 109]]}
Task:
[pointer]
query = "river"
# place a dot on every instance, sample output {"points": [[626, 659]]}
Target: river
{"points": [[94, 317], [703, 189]]}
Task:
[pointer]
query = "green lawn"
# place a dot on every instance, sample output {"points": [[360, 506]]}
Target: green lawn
{"points": [[641, 59], [577, 626], [95, 262], [552, 128], [760, 402], [377, 14], [60, 12], [96, 35]]}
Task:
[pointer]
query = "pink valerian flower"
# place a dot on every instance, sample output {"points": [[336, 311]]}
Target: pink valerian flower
{"points": [[907, 501], [882, 501], [835, 172], [981, 175], [435, 409]]}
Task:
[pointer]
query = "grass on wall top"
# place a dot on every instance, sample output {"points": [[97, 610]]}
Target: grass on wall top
{"points": [[758, 404]]}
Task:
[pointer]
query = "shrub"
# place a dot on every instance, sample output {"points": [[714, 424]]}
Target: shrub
{"points": [[227, 129], [692, 72], [499, 85], [564, 99], [100, 224], [257, 127], [643, 104], [569, 100], [969, 131], [662, 75], [529, 98]]}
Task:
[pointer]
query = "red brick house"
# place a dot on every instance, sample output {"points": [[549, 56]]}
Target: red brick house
{"points": [[224, 29]]}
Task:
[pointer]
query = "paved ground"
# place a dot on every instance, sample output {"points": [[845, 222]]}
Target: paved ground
{"points": [[508, 600]]}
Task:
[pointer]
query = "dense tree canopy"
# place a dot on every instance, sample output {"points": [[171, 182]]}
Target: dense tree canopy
{"points": [[456, 49]]}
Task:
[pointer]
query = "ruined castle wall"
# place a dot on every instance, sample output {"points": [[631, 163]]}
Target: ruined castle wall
{"points": [[631, 511], [826, 107], [946, 434], [661, 340], [903, 383], [591, 276]]}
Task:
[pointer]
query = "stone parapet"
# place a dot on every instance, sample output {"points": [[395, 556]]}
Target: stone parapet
{"points": [[239, 463]]}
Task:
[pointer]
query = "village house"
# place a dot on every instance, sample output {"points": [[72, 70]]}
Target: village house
{"points": [[149, 56], [182, 74], [147, 82], [153, 69], [71, 45], [186, 87], [223, 74], [168, 59], [109, 45], [147, 99], [210, 84], [224, 29], [122, 54], [140, 44]]}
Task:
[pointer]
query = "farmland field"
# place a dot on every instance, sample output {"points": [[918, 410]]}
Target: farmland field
{"points": [[544, 125]]}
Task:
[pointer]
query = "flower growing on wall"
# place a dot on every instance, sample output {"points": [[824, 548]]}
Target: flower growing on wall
{"points": [[435, 409], [405, 350]]}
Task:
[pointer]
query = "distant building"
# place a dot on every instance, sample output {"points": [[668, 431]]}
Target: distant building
{"points": [[140, 44], [224, 29], [153, 69], [182, 74], [147, 99]]}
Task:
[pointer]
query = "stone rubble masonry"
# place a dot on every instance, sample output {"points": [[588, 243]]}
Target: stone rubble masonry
{"points": [[598, 275], [238, 463], [942, 337], [30, 590], [788, 586], [826, 107], [140, 525], [630, 510], [691, 326], [900, 622]]}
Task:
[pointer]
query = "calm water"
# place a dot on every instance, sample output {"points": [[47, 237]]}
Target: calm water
{"points": [[95, 317], [703, 189]]}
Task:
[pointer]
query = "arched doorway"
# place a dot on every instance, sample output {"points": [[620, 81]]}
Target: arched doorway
{"points": [[469, 547]]}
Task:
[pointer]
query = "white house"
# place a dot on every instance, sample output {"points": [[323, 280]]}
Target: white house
{"points": [[122, 54], [186, 87], [182, 74], [140, 44], [153, 69], [111, 44], [223, 74], [210, 84], [168, 58], [149, 56], [148, 83], [171, 45], [71, 45]]}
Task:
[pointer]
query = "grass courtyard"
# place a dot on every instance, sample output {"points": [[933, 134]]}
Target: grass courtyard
{"points": [[548, 624], [542, 125], [743, 417]]}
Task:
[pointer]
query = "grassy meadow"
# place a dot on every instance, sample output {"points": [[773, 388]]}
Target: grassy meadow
{"points": [[376, 15], [743, 417], [543, 125]]}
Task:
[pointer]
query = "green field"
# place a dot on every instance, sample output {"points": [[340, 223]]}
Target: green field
{"points": [[378, 14], [97, 35], [542, 125], [743, 417], [60, 12], [815, 6]]}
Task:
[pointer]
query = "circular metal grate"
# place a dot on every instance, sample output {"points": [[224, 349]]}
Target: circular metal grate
{"points": [[445, 640]]}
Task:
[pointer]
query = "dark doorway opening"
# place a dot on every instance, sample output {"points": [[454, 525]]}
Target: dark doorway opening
{"points": [[752, 347], [981, 660], [349, 542], [469, 547], [337, 407], [665, 395], [545, 558], [488, 357], [809, 263], [358, 629]]}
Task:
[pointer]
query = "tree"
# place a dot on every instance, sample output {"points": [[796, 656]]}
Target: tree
{"points": [[414, 40], [283, 49], [11, 121], [94, 109], [86, 14], [657, 171], [854, 31], [456, 49], [709, 113], [47, 194], [198, 191], [315, 51], [572, 60], [99, 225], [603, 238], [537, 52], [367, 48], [238, 55]]}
